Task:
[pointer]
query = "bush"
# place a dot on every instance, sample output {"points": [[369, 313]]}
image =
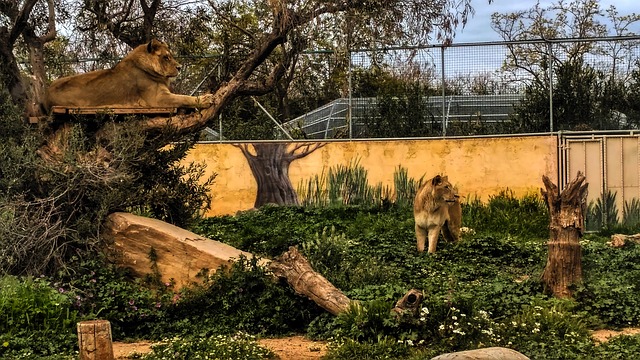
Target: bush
{"points": [[37, 319], [240, 346], [53, 210]]}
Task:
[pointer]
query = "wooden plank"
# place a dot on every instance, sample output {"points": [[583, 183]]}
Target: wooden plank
{"points": [[91, 110]]}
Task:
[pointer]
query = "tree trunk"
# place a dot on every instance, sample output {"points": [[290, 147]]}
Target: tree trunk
{"points": [[566, 211], [94, 340], [295, 268], [270, 168]]}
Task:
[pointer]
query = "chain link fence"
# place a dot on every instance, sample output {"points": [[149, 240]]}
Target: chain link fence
{"points": [[434, 91], [481, 88]]}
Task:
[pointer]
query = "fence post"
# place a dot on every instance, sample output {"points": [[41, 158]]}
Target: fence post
{"points": [[94, 340], [444, 126], [550, 61]]}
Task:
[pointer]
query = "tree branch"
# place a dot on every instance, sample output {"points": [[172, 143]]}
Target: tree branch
{"points": [[21, 21]]}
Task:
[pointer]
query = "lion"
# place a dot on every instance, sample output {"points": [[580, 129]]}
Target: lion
{"points": [[436, 208], [141, 79]]}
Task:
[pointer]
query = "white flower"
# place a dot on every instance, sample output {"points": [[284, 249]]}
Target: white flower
{"points": [[454, 317]]}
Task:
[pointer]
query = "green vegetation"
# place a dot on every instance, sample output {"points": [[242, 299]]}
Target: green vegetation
{"points": [[482, 291]]}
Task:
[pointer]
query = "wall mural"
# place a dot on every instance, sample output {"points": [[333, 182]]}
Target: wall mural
{"points": [[269, 163]]}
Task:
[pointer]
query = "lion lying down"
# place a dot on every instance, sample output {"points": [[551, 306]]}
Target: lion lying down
{"points": [[141, 79], [437, 207]]}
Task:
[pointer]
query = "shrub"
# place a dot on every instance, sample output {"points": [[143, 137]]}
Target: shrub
{"points": [[242, 298], [37, 319], [240, 346]]}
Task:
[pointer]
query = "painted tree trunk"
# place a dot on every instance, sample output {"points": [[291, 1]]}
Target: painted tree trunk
{"points": [[270, 168], [566, 211]]}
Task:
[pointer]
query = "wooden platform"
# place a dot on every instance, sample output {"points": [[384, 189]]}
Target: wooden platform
{"points": [[63, 110]]}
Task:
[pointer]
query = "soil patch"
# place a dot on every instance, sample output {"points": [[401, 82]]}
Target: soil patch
{"points": [[300, 348], [289, 348], [604, 335]]}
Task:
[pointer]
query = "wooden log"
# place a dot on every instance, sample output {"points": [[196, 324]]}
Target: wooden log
{"points": [[566, 211], [492, 353], [295, 268], [92, 110], [619, 240], [94, 340], [410, 303]]}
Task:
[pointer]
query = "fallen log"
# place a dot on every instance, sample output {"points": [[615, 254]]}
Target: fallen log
{"points": [[296, 270], [619, 240]]}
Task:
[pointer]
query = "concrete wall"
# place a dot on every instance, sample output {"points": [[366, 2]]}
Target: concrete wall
{"points": [[477, 166]]}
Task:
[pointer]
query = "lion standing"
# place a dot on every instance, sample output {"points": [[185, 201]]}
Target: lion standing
{"points": [[436, 207], [141, 79]]}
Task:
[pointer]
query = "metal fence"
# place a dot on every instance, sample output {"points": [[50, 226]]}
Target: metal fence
{"points": [[465, 86], [459, 89]]}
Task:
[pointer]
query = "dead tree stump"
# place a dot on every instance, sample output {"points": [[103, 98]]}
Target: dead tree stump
{"points": [[410, 303], [295, 268], [566, 211], [94, 340]]}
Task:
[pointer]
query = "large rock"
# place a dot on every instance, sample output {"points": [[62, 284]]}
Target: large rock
{"points": [[180, 254], [492, 353]]}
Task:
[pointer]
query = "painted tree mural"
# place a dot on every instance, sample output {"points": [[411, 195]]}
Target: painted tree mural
{"points": [[269, 163]]}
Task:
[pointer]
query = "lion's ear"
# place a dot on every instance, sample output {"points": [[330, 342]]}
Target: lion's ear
{"points": [[153, 45], [436, 180]]}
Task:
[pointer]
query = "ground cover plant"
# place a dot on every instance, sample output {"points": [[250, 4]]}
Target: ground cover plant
{"points": [[483, 291]]}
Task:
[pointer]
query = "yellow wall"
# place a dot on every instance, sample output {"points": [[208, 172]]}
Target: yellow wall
{"points": [[477, 166]]}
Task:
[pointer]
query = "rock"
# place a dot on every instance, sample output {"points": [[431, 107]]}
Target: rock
{"points": [[492, 353], [180, 254]]}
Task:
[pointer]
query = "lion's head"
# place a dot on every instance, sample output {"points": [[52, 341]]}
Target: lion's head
{"points": [[156, 59], [442, 190]]}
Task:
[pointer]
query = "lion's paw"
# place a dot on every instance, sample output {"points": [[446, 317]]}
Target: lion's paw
{"points": [[206, 100]]}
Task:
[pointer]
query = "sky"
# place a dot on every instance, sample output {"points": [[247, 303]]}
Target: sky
{"points": [[478, 28]]}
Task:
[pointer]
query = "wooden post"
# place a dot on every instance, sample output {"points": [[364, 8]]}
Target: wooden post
{"points": [[94, 340], [566, 211]]}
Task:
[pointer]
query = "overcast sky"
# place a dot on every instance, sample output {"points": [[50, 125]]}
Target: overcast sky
{"points": [[479, 29]]}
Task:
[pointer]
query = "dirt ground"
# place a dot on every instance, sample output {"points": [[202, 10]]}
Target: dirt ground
{"points": [[289, 348], [300, 348], [604, 335]]}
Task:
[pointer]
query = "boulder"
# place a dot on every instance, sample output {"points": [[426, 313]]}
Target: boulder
{"points": [[492, 353], [179, 254]]}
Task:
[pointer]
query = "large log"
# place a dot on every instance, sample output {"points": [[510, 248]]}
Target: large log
{"points": [[492, 353], [295, 268], [179, 254], [566, 211]]}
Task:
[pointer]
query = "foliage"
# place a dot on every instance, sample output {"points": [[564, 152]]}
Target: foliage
{"points": [[400, 108], [482, 291], [37, 319], [584, 96], [240, 346], [603, 213], [53, 210], [342, 185], [240, 299], [505, 214]]}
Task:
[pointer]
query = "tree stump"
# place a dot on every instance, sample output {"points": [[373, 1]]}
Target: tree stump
{"points": [[94, 340], [295, 268], [566, 211], [410, 303]]}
